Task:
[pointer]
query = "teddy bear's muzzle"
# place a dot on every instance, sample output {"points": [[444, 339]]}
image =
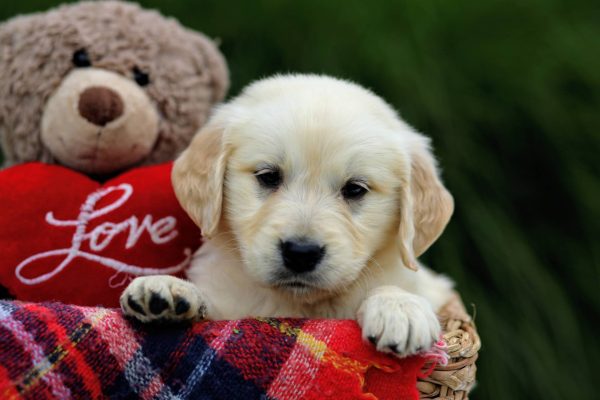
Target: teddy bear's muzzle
{"points": [[99, 122]]}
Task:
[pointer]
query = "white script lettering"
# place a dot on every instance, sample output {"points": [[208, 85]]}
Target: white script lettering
{"points": [[160, 231]]}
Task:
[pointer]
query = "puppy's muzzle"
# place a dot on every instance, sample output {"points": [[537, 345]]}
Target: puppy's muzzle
{"points": [[301, 256]]}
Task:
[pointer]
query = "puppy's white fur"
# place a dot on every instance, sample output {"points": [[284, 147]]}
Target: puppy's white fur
{"points": [[320, 133]]}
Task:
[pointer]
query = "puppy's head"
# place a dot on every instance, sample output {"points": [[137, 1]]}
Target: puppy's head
{"points": [[310, 178]]}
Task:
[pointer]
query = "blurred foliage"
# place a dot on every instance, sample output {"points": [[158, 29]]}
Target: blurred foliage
{"points": [[509, 92]]}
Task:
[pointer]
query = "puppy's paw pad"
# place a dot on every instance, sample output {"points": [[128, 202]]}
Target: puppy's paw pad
{"points": [[182, 306], [157, 304], [162, 298], [134, 306], [398, 323]]}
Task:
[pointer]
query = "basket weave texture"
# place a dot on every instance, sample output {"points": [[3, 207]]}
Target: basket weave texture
{"points": [[455, 380]]}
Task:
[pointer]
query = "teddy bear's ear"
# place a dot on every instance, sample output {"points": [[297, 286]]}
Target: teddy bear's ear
{"points": [[5, 40], [18, 35], [216, 64], [27, 79], [8, 31]]}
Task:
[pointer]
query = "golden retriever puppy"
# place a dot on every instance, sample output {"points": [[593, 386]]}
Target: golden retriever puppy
{"points": [[315, 199]]}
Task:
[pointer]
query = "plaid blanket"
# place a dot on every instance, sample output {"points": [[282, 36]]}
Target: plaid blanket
{"points": [[52, 350]]}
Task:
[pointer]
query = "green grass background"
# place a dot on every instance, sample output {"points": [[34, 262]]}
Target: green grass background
{"points": [[509, 92]]}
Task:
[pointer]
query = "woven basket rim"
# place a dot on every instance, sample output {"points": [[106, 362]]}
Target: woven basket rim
{"points": [[457, 378]]}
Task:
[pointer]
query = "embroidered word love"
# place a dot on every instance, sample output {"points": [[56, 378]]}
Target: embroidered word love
{"points": [[160, 231]]}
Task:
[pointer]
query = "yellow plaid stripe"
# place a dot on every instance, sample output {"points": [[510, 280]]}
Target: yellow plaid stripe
{"points": [[319, 349]]}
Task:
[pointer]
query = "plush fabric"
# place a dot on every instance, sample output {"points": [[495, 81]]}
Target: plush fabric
{"points": [[66, 237], [186, 74], [52, 350]]}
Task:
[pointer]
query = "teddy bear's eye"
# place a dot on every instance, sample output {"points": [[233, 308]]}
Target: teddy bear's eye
{"points": [[140, 77], [81, 59]]}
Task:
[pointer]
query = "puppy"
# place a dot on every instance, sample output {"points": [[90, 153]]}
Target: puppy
{"points": [[315, 199]]}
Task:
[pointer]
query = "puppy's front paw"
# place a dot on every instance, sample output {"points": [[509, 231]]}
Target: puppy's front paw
{"points": [[398, 322], [162, 297]]}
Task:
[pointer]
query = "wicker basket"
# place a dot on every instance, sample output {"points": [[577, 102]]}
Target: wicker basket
{"points": [[455, 380]]}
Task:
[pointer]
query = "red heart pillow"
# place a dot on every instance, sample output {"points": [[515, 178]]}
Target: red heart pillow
{"points": [[66, 237]]}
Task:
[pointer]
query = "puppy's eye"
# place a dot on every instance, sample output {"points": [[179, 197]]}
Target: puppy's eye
{"points": [[354, 190], [81, 59], [268, 178], [140, 77]]}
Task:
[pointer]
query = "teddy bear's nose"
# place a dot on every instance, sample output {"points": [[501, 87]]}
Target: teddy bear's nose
{"points": [[100, 105]]}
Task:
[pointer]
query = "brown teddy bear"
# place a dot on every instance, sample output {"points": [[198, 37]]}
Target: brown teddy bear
{"points": [[99, 88], [103, 86]]}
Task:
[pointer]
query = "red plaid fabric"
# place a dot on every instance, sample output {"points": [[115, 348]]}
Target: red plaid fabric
{"points": [[52, 350]]}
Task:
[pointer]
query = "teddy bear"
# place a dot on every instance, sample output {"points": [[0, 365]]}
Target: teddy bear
{"points": [[103, 86], [95, 99]]}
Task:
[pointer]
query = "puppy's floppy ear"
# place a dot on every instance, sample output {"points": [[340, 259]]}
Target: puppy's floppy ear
{"points": [[426, 207], [198, 176]]}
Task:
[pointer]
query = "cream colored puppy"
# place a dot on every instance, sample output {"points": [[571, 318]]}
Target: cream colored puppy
{"points": [[315, 199]]}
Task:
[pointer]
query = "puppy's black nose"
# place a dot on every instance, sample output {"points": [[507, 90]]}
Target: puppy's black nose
{"points": [[301, 256]]}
